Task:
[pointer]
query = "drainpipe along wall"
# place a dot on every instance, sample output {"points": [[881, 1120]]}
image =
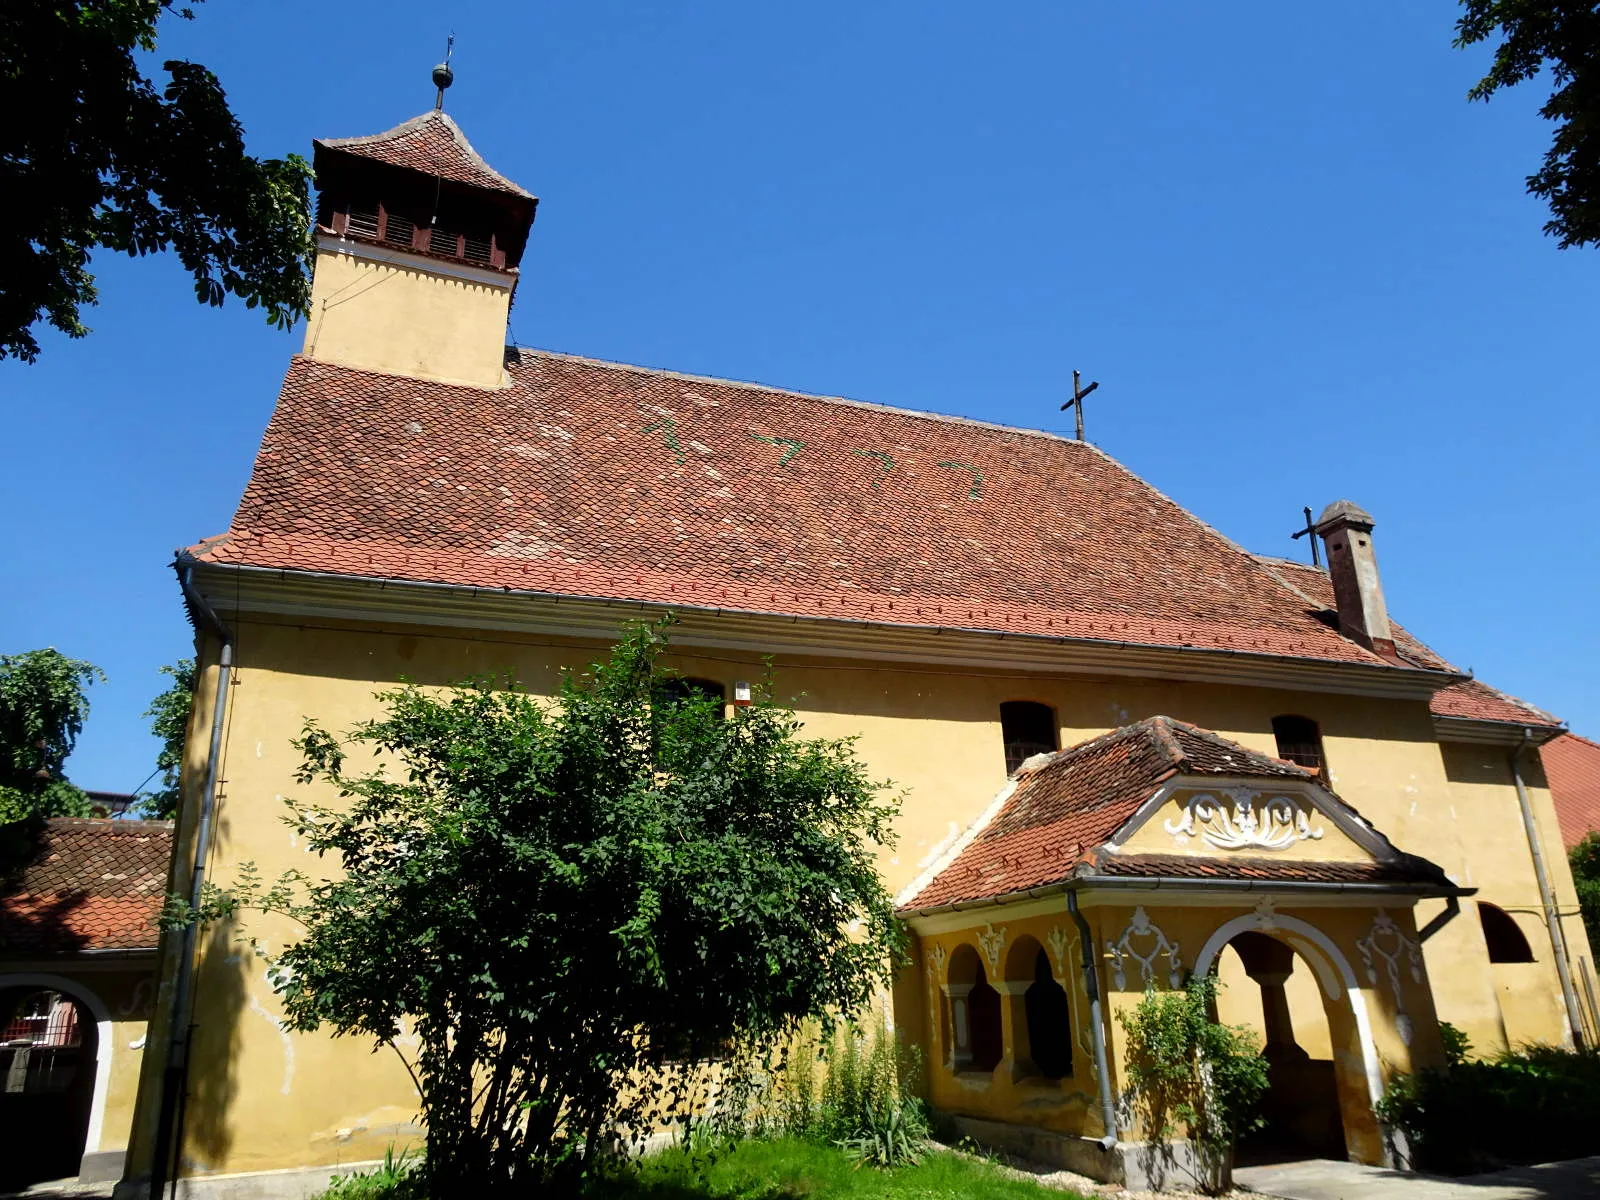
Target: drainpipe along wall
{"points": [[174, 1079], [1097, 1023], [1547, 898]]}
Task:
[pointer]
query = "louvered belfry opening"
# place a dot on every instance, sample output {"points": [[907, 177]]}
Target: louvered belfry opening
{"points": [[403, 204]]}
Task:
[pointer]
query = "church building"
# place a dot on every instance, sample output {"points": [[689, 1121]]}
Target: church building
{"points": [[1131, 750]]}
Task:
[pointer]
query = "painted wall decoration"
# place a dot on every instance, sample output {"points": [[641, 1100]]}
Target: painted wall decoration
{"points": [[1123, 951], [1242, 821], [1386, 944], [993, 942]]}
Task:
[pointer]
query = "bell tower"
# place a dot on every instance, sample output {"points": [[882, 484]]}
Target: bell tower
{"points": [[418, 246]]}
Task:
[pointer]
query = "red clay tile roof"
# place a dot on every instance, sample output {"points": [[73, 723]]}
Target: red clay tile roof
{"points": [[92, 884], [433, 144], [1470, 699], [1572, 765], [592, 479], [1065, 805], [1406, 868]]}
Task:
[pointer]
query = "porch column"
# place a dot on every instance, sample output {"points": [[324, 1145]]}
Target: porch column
{"points": [[960, 1047], [1269, 963]]}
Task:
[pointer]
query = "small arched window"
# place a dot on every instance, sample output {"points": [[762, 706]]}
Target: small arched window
{"points": [[1027, 728], [1300, 741], [1503, 936], [678, 689]]}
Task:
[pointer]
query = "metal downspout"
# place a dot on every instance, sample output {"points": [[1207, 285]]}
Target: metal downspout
{"points": [[1547, 898], [174, 1080], [1097, 1025]]}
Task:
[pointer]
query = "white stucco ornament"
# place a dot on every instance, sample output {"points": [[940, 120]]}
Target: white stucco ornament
{"points": [[1123, 951], [993, 941], [1266, 914], [1056, 940], [1242, 821], [1386, 944]]}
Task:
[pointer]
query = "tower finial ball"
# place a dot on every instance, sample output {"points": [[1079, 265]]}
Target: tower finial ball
{"points": [[443, 76]]}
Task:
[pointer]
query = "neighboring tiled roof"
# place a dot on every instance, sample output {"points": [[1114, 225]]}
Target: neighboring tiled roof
{"points": [[1066, 804], [92, 884], [1469, 699], [433, 144], [592, 479], [1406, 868], [1572, 765]]}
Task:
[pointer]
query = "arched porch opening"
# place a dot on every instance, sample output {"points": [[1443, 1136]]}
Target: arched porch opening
{"points": [[973, 1005], [52, 1086], [1357, 1079], [1040, 1022], [1270, 989]]}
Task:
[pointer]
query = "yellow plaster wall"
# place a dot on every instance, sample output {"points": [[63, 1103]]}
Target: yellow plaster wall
{"points": [[273, 1099], [1527, 1004], [407, 320]]}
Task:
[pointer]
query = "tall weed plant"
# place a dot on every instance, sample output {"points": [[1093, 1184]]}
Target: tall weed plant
{"points": [[855, 1088]]}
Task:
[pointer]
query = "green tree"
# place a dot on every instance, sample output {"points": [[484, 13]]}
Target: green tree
{"points": [[94, 156], [1186, 1069], [169, 721], [559, 895], [1585, 860], [43, 704], [1561, 37]]}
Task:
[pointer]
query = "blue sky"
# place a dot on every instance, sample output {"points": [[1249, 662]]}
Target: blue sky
{"points": [[1301, 265]]}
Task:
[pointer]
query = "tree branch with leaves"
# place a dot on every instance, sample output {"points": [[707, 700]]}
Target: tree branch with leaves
{"points": [[95, 156], [1561, 37]]}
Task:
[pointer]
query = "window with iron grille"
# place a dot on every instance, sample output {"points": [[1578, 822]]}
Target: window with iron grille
{"points": [[1300, 741], [1027, 728]]}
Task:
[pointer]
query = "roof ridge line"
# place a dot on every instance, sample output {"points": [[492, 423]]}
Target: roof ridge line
{"points": [[752, 385], [1162, 725]]}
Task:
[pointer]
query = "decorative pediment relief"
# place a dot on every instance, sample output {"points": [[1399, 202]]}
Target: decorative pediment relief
{"points": [[1240, 819]]}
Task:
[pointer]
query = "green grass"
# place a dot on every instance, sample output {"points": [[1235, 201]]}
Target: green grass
{"points": [[789, 1169]]}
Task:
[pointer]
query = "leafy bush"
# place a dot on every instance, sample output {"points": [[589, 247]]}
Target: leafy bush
{"points": [[1186, 1069], [1536, 1104]]}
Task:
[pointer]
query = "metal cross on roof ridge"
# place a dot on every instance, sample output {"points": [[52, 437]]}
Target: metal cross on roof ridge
{"points": [[1076, 403], [1310, 531]]}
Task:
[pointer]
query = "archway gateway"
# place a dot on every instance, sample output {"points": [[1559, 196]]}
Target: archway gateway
{"points": [[1129, 863], [54, 1063]]}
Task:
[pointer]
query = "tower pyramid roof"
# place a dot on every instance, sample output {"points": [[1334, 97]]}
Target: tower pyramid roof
{"points": [[432, 144]]}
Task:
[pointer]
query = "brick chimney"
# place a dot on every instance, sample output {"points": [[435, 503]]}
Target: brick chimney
{"points": [[1346, 531]]}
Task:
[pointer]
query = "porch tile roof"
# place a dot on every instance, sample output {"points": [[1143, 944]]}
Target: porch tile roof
{"points": [[91, 884], [600, 480], [1064, 805], [433, 144]]}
